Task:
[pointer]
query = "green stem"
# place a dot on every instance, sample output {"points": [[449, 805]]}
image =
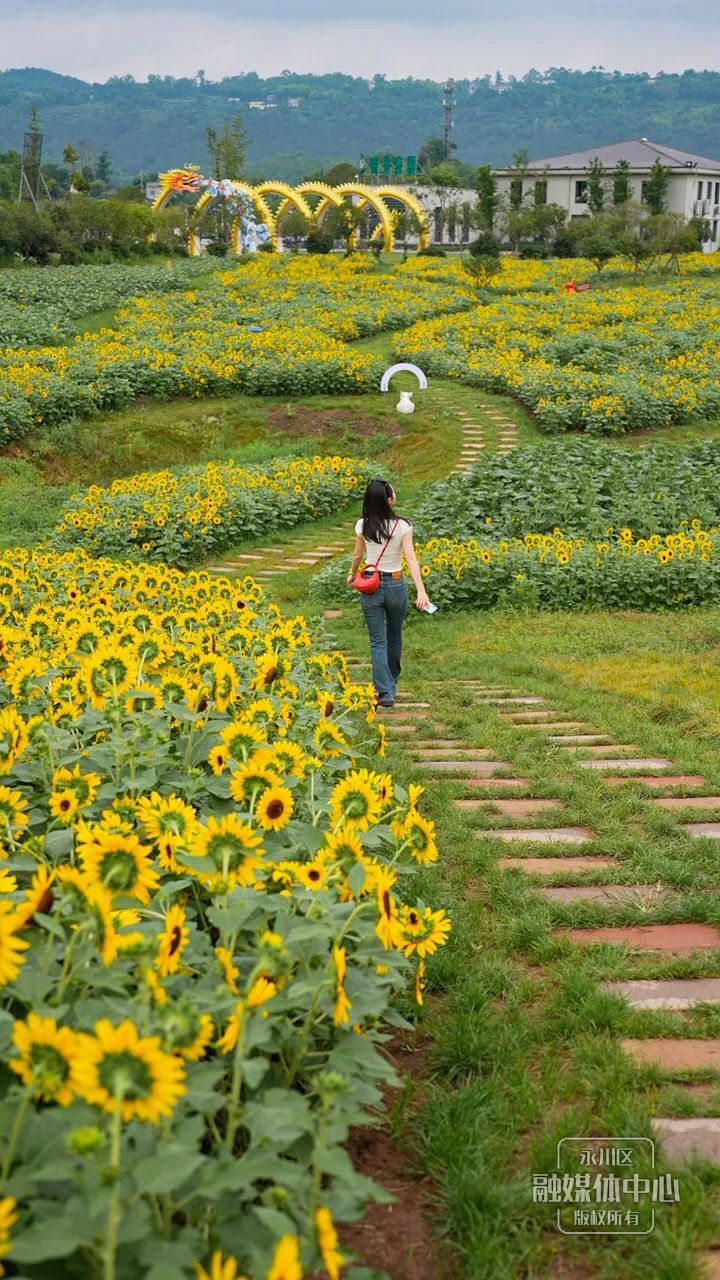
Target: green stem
{"points": [[14, 1135], [66, 971], [113, 1218], [234, 1108]]}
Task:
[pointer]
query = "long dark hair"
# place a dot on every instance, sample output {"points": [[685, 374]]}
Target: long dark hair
{"points": [[378, 515]]}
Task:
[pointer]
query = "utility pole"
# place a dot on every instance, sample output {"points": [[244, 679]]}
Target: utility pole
{"points": [[449, 105]]}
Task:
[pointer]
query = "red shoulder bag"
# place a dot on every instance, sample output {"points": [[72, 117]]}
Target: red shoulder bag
{"points": [[368, 579]]}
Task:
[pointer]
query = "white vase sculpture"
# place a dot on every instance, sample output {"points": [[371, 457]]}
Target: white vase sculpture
{"points": [[405, 403]]}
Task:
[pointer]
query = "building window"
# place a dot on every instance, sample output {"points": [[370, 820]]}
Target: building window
{"points": [[438, 220], [581, 191], [643, 191], [452, 223], [715, 229], [541, 191], [699, 194], [717, 192]]}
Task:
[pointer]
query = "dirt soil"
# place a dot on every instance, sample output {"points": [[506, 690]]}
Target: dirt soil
{"points": [[303, 421], [396, 1238]]}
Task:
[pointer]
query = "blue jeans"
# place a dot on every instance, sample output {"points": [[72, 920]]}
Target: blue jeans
{"points": [[384, 614]]}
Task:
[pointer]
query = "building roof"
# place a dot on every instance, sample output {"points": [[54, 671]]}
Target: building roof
{"points": [[640, 152]]}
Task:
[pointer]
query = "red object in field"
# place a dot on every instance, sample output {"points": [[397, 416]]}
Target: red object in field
{"points": [[572, 287]]}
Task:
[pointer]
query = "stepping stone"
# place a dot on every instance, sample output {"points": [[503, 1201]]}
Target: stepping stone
{"points": [[448, 753], [667, 780], [245, 556], [521, 717], [672, 993], [544, 835], [686, 802], [414, 704], [605, 894], [301, 560], [601, 751], [544, 725], [484, 768], [322, 555], [480, 783], [524, 702], [512, 808], [686, 1139], [711, 829], [642, 762], [579, 739], [333, 613], [400, 728], [681, 939], [674, 1055], [708, 1265], [389, 714], [432, 743], [557, 866]]}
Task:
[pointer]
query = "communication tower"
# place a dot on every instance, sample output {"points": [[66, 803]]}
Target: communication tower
{"points": [[449, 105]]}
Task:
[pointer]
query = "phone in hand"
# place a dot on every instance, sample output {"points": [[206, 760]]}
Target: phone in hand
{"points": [[430, 607]]}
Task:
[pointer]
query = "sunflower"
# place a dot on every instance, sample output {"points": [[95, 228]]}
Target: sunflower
{"points": [[186, 1031], [119, 861], [8, 1218], [328, 1243], [419, 834], [96, 901], [286, 1260], [355, 802], [329, 740], [229, 970], [118, 1063], [423, 931], [46, 1055], [286, 756], [342, 1004], [230, 1036], [232, 846], [388, 928], [145, 697], [273, 808], [381, 739], [83, 785], [251, 778], [218, 758], [13, 816], [221, 1268], [37, 898], [420, 982], [173, 939], [108, 673], [169, 822], [14, 737], [64, 805], [224, 683], [241, 737], [8, 882], [262, 990], [11, 947]]}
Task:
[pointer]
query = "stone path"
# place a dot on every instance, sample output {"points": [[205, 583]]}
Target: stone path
{"points": [[475, 427], [305, 549], [564, 881]]}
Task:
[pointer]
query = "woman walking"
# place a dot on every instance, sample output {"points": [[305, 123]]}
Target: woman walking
{"points": [[382, 537]]}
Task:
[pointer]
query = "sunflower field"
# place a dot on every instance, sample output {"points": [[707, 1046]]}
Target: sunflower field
{"points": [[201, 931], [182, 519], [625, 356], [43, 304], [265, 328], [559, 571]]}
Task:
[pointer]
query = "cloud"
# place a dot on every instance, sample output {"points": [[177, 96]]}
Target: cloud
{"points": [[97, 38]]}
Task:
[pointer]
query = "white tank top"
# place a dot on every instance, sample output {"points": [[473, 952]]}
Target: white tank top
{"points": [[392, 557]]}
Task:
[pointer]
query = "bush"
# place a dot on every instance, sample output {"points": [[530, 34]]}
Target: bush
{"points": [[432, 251], [196, 514], [585, 487], [318, 241]]}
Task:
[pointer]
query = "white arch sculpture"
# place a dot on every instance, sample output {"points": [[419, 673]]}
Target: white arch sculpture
{"points": [[403, 367]]}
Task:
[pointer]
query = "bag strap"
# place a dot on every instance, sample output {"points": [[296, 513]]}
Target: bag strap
{"points": [[387, 544]]}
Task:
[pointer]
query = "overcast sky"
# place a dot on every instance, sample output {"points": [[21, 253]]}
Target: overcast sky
{"points": [[94, 39]]}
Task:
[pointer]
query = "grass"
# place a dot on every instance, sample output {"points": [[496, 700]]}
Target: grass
{"points": [[524, 1047]]}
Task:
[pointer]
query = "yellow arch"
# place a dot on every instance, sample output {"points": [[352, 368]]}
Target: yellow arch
{"points": [[412, 203], [368, 195], [179, 181], [291, 195]]}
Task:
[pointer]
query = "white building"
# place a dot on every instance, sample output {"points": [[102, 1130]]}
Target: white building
{"points": [[693, 187]]}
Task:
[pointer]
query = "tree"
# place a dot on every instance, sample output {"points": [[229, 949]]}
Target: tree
{"points": [[344, 221], [518, 170], [481, 268], [669, 233], [406, 224], [621, 182], [103, 168], [488, 200], [596, 185], [342, 172], [293, 227], [655, 188], [628, 224], [227, 148], [432, 153], [595, 242]]}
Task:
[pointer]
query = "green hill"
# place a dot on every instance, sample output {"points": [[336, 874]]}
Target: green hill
{"points": [[316, 120]]}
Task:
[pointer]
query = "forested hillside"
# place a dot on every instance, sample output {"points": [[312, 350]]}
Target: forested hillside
{"points": [[310, 121]]}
